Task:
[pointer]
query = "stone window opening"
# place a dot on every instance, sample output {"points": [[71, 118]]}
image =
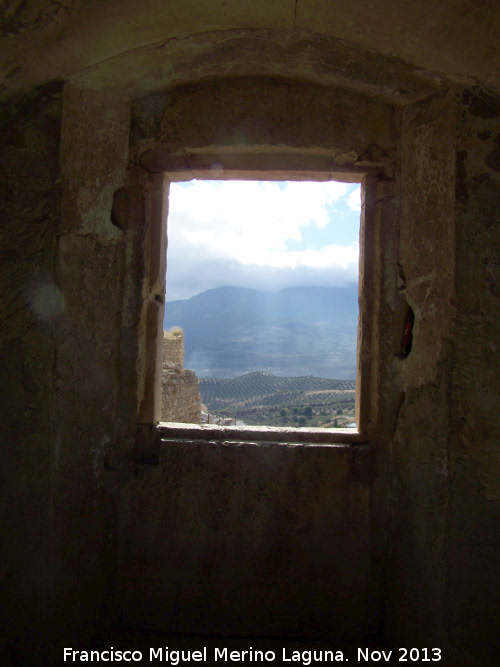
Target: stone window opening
{"points": [[203, 209], [262, 129], [274, 434], [257, 128]]}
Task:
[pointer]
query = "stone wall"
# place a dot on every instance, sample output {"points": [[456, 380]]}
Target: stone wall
{"points": [[419, 454], [471, 562], [65, 349], [235, 538], [249, 540], [173, 346], [180, 387], [430, 239], [30, 312]]}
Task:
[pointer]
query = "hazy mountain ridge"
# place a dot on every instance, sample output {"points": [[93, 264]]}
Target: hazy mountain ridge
{"points": [[229, 331]]}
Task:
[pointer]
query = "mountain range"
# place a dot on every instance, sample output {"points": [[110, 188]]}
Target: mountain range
{"points": [[297, 331]]}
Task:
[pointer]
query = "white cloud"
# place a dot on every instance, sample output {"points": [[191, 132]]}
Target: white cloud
{"points": [[354, 200], [217, 272], [331, 255], [237, 232]]}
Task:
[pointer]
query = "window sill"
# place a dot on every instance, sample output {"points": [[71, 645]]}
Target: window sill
{"points": [[152, 439], [259, 434]]}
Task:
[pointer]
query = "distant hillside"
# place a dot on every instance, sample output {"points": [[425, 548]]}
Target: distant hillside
{"points": [[261, 398], [264, 384], [229, 331]]}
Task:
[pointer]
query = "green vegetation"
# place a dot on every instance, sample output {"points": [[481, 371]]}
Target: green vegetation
{"points": [[263, 399]]}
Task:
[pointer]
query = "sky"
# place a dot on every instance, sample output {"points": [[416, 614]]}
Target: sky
{"points": [[261, 234]]}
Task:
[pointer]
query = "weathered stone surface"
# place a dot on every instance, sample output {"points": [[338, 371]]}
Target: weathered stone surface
{"points": [[30, 311], [427, 267], [173, 346], [255, 540], [180, 388], [291, 127], [119, 45], [473, 531], [246, 538]]}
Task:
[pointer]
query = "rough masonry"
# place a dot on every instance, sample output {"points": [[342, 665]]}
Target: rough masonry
{"points": [[180, 387]]}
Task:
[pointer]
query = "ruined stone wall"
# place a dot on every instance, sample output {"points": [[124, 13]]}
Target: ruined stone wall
{"points": [[173, 346], [180, 388]]}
